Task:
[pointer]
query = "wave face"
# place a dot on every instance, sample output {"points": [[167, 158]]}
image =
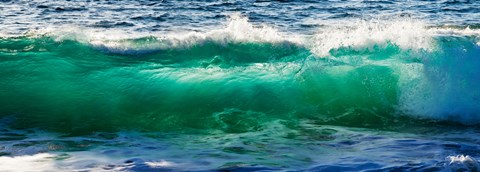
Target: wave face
{"points": [[363, 76]]}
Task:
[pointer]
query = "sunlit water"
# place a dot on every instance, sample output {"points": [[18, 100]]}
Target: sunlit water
{"points": [[241, 86]]}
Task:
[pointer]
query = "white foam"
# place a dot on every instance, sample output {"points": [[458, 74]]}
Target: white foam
{"points": [[455, 31], [358, 34], [407, 34], [237, 29], [462, 163], [37, 162], [162, 163]]}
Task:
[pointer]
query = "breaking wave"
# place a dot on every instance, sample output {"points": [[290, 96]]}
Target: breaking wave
{"points": [[234, 79]]}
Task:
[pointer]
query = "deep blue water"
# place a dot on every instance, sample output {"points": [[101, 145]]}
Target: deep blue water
{"points": [[291, 16]]}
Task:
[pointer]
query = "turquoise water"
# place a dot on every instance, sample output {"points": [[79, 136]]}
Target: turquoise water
{"points": [[378, 89]]}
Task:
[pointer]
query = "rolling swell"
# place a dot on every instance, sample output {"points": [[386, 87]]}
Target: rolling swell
{"points": [[234, 86]]}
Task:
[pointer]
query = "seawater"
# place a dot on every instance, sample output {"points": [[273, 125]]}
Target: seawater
{"points": [[239, 86]]}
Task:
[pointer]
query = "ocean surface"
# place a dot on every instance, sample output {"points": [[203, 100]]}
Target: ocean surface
{"points": [[254, 85]]}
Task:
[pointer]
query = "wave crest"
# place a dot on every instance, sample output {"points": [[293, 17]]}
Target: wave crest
{"points": [[362, 35]]}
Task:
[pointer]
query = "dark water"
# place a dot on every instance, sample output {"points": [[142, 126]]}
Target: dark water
{"points": [[303, 16], [239, 86]]}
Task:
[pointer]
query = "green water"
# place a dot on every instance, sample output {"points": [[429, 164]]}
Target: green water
{"points": [[79, 87]]}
